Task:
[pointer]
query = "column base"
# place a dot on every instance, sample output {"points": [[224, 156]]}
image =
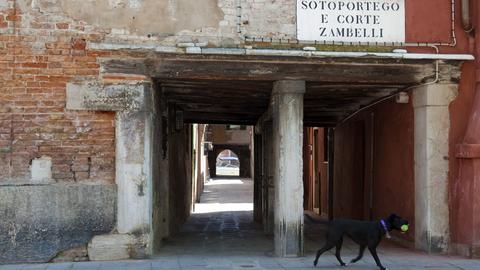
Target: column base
{"points": [[117, 247]]}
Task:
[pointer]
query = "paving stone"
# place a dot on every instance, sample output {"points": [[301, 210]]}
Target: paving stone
{"points": [[139, 265], [85, 266], [165, 264], [113, 265], [59, 266], [10, 267], [34, 267]]}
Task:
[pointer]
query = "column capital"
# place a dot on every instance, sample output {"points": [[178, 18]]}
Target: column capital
{"points": [[434, 95], [289, 87]]}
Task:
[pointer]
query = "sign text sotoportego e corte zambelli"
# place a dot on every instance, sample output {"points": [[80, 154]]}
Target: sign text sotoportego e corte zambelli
{"points": [[351, 20]]}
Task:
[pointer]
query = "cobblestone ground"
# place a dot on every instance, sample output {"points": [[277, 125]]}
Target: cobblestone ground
{"points": [[228, 239]]}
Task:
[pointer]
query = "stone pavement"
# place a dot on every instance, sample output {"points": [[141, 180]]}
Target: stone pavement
{"points": [[220, 235]]}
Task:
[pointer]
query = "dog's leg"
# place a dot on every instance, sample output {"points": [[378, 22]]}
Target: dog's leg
{"points": [[375, 256], [360, 254], [338, 247], [322, 250]]}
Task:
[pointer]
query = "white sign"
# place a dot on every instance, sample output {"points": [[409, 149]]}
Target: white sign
{"points": [[351, 20]]}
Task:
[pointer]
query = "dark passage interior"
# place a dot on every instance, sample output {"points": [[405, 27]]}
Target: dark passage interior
{"points": [[212, 123], [222, 222], [197, 101]]}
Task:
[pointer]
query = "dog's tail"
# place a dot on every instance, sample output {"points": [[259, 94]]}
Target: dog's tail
{"points": [[315, 220]]}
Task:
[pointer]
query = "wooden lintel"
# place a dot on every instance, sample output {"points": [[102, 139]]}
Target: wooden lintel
{"points": [[327, 70]]}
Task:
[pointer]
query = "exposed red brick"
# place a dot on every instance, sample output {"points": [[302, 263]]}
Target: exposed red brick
{"points": [[79, 43], [33, 118], [62, 25], [13, 17], [35, 65]]}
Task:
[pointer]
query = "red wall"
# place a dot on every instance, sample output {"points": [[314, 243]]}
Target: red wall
{"points": [[348, 187], [430, 21], [394, 179], [393, 183], [459, 189], [464, 174]]}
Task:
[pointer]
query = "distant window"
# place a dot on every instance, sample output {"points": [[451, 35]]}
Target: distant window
{"points": [[236, 127]]}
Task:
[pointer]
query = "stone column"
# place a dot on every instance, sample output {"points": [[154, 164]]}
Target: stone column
{"points": [[133, 135], [132, 103], [432, 126], [287, 117]]}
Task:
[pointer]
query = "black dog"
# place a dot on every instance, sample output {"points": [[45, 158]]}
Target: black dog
{"points": [[365, 233]]}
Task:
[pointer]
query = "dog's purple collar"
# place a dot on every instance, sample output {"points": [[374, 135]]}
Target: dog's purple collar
{"points": [[384, 225]]}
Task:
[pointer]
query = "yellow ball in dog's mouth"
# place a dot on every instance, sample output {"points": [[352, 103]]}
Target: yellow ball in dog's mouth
{"points": [[404, 228]]}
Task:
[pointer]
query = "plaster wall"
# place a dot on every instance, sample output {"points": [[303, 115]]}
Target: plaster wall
{"points": [[464, 169], [459, 190]]}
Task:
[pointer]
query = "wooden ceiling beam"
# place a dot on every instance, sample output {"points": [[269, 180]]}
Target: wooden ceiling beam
{"points": [[318, 70]]}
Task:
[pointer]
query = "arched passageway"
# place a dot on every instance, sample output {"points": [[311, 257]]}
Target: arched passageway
{"points": [[227, 163], [242, 152]]}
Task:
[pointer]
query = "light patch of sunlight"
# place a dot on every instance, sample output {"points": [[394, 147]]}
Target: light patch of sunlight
{"points": [[201, 208], [224, 182], [228, 171]]}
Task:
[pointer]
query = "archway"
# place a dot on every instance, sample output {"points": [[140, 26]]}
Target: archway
{"points": [[242, 152], [227, 163]]}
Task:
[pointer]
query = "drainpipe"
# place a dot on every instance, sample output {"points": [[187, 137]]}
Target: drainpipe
{"points": [[466, 23]]}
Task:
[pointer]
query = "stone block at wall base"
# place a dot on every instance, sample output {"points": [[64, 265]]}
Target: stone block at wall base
{"points": [[76, 254], [37, 223], [115, 247]]}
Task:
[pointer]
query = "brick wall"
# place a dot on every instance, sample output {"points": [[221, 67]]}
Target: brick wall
{"points": [[41, 49], [38, 55]]}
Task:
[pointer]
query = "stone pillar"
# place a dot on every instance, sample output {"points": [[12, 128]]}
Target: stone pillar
{"points": [[133, 135], [132, 103], [287, 117], [432, 126]]}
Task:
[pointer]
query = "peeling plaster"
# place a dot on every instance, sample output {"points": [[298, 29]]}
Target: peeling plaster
{"points": [[146, 16]]}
